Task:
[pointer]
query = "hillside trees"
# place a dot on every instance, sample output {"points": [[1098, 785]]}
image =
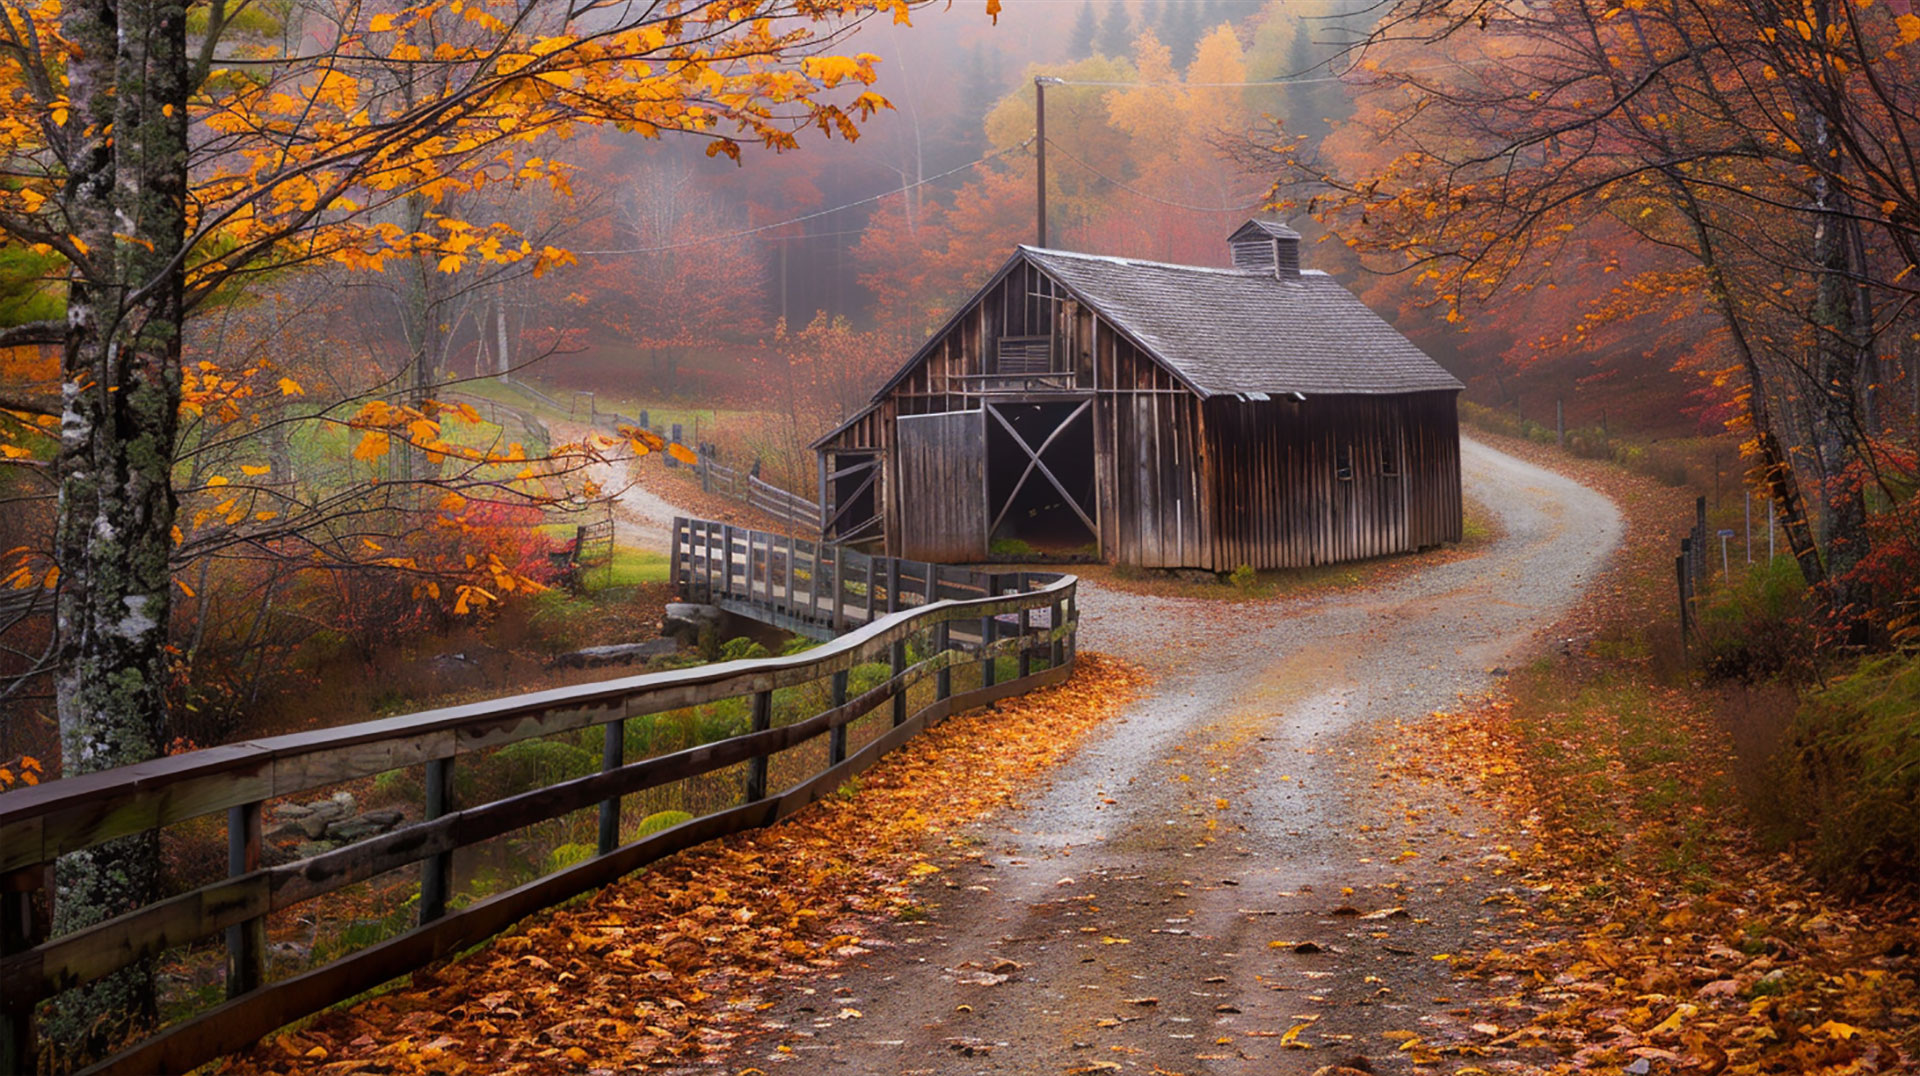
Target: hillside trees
{"points": [[1758, 146], [165, 168]]}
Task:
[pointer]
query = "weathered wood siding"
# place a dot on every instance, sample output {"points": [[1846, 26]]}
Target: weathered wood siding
{"points": [[1155, 510], [1283, 498], [1182, 482], [942, 484]]}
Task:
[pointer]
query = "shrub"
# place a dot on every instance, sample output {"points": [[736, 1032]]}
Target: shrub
{"points": [[1851, 774], [567, 855], [741, 647], [657, 821], [1243, 577], [1756, 627], [529, 764]]}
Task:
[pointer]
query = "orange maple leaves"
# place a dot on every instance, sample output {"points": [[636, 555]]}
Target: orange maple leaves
{"points": [[637, 972]]}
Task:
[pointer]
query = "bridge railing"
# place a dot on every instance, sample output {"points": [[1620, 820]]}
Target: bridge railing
{"points": [[957, 644], [823, 589]]}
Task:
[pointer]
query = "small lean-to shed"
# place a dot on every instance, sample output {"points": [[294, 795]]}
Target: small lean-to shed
{"points": [[1167, 416]]}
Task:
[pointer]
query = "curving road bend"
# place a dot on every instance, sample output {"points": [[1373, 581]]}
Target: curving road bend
{"points": [[1144, 910]]}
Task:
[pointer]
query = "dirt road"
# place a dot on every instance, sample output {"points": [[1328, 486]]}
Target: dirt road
{"points": [[1222, 881]]}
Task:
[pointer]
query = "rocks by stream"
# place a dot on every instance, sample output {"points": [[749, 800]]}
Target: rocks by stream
{"points": [[322, 826]]}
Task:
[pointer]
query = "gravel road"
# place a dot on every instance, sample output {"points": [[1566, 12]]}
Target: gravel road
{"points": [[1145, 911]]}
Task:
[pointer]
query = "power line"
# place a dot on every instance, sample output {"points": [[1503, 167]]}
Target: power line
{"points": [[1300, 81], [816, 214], [1151, 197]]}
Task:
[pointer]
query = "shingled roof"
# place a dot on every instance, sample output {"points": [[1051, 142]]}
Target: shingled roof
{"points": [[1241, 332]]}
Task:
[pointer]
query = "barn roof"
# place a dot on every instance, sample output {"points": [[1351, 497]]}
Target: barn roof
{"points": [[1237, 331]]}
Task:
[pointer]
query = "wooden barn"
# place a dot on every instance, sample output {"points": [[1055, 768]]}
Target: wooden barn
{"points": [[1168, 416]]}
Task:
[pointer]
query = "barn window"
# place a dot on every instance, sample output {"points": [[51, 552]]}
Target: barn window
{"points": [[1389, 465], [1343, 463]]}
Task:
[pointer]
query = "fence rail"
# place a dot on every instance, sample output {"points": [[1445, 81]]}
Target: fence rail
{"points": [[820, 590], [955, 621], [791, 508]]}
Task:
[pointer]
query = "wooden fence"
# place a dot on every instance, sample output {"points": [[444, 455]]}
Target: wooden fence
{"points": [[821, 590], [936, 612], [717, 477]]}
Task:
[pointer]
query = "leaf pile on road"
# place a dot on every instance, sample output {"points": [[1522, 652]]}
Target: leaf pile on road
{"points": [[678, 959], [1644, 930]]}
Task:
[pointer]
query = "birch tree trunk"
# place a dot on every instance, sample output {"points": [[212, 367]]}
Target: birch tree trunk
{"points": [[120, 399]]}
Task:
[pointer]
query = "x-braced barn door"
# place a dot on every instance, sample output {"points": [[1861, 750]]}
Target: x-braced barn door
{"points": [[853, 512], [942, 484], [1041, 478]]}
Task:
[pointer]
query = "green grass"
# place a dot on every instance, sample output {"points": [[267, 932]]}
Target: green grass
{"points": [[632, 567]]}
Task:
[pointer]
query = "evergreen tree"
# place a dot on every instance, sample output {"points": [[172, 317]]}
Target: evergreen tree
{"points": [[1180, 30], [1080, 45], [1150, 14], [1116, 32], [1306, 104]]}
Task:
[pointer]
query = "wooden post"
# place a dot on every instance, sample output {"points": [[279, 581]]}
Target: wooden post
{"points": [[986, 647], [893, 584], [1560, 420], [16, 935], [757, 765], [813, 582], [613, 749], [436, 871], [726, 560], [1057, 651], [870, 594], [943, 680], [246, 942], [898, 658], [787, 575], [839, 589], [1026, 628], [837, 739]]}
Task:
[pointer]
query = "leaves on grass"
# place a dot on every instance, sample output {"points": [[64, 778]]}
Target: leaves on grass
{"points": [[673, 963]]}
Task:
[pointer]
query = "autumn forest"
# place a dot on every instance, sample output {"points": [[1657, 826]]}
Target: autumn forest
{"points": [[363, 364]]}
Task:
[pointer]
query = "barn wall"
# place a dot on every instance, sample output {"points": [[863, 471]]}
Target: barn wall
{"points": [[1155, 503], [1189, 483], [1284, 499]]}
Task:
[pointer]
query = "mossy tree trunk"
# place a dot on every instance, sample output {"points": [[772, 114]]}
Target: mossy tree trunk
{"points": [[126, 142]]}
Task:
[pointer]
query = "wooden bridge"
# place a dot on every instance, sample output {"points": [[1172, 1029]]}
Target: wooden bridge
{"points": [[921, 642]]}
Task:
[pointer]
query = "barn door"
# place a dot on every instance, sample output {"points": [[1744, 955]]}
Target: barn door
{"points": [[942, 484]]}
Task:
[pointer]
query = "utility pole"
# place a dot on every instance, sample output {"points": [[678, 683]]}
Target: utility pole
{"points": [[1040, 84]]}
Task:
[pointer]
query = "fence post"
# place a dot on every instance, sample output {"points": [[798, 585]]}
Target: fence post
{"points": [[246, 942], [1560, 420], [942, 680], [1056, 652], [726, 560], [16, 935], [986, 637], [1026, 627], [613, 749], [897, 659], [757, 765], [436, 871], [839, 589], [870, 595], [837, 739], [893, 584]]}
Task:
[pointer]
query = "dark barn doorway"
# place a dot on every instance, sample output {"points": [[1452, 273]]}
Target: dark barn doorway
{"points": [[1040, 479], [856, 497]]}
